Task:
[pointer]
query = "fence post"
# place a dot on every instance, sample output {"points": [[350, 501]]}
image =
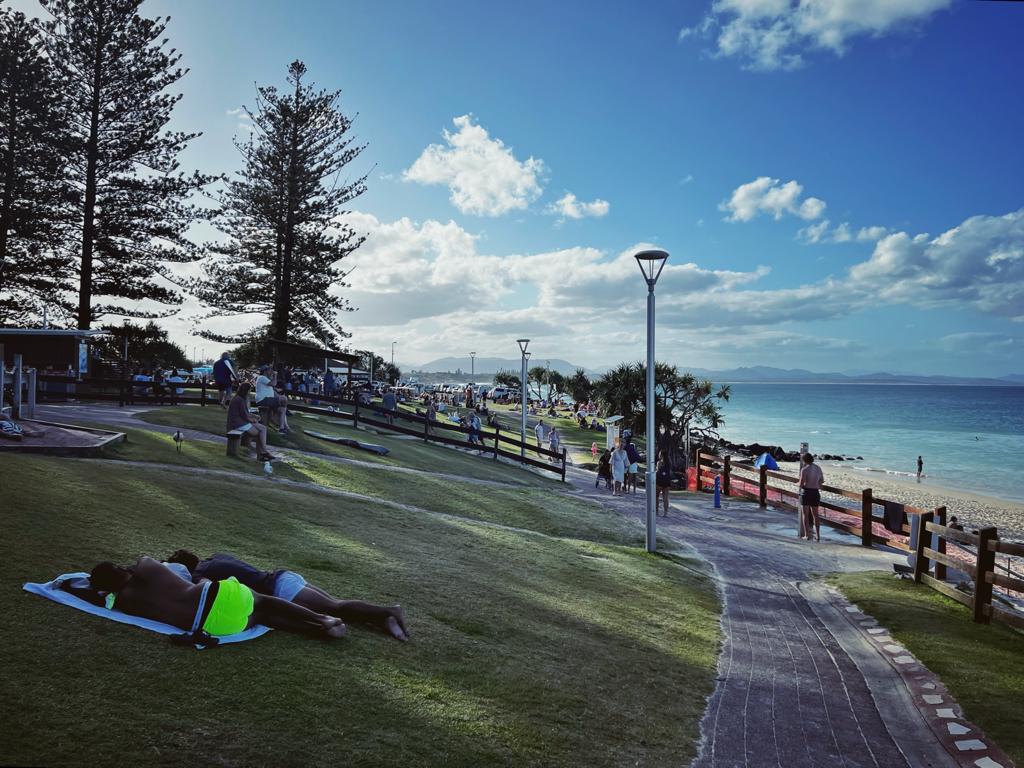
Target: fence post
{"points": [[920, 561], [426, 428], [866, 505], [355, 413], [725, 475], [985, 565], [762, 493], [940, 568], [563, 465], [32, 393], [202, 392], [16, 400], [497, 431]]}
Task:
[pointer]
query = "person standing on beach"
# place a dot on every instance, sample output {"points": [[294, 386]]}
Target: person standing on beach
{"points": [[811, 480], [920, 468]]}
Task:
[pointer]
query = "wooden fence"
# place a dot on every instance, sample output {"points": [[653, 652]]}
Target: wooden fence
{"points": [[127, 392], [972, 553]]}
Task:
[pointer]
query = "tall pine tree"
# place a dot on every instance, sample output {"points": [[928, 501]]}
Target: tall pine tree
{"points": [[34, 198], [134, 209], [282, 218]]}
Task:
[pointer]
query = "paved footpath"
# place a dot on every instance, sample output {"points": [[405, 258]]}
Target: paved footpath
{"points": [[800, 681]]}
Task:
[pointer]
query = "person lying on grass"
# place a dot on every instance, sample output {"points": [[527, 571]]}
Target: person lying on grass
{"points": [[289, 585], [152, 590]]}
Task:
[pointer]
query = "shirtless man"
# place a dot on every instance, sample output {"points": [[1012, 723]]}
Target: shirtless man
{"points": [[291, 586], [218, 608]]}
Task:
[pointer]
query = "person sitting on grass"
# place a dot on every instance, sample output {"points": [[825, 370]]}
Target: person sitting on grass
{"points": [[218, 608], [291, 586], [239, 418]]}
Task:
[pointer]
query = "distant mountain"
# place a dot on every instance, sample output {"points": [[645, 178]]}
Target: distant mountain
{"points": [[767, 374], [492, 365]]}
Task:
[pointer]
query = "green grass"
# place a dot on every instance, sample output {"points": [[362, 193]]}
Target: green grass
{"points": [[981, 665], [528, 649], [404, 452]]}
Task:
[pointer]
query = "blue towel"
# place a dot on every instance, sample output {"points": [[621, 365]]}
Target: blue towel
{"points": [[51, 591]]}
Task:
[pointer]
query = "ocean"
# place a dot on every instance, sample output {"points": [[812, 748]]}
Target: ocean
{"points": [[970, 438]]}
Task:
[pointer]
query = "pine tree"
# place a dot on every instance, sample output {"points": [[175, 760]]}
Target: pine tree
{"points": [[281, 215], [34, 200], [134, 202]]}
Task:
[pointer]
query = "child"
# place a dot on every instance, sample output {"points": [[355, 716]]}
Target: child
{"points": [[593, 450]]}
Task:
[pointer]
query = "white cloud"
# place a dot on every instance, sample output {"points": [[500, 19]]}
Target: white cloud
{"points": [[979, 263], [568, 207], [768, 195], [841, 233], [482, 174], [775, 34]]}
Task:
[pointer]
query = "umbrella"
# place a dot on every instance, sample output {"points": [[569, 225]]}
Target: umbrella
{"points": [[765, 460]]}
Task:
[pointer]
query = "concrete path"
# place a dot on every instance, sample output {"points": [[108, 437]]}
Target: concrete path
{"points": [[798, 686]]}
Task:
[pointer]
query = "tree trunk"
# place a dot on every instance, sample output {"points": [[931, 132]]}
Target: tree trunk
{"points": [[8, 199], [88, 228]]}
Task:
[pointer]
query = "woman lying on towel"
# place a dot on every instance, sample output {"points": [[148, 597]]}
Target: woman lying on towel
{"points": [[289, 585], [153, 591]]}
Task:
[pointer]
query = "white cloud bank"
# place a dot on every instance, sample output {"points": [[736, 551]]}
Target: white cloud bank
{"points": [[432, 286], [482, 174], [775, 34], [767, 195]]}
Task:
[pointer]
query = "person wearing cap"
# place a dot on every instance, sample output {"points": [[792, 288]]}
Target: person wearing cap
{"points": [[267, 398]]}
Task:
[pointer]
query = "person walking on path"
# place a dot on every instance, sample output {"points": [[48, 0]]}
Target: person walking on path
{"points": [[620, 463], [634, 463], [604, 470], [224, 377], [811, 480], [663, 480], [920, 468], [553, 441], [390, 403], [541, 432]]}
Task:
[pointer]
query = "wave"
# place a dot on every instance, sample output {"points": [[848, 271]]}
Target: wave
{"points": [[882, 470]]}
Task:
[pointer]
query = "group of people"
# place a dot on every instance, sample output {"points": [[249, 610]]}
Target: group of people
{"points": [[222, 595], [270, 399], [155, 383], [547, 437], [619, 467]]}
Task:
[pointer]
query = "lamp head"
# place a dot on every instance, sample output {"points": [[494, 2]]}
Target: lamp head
{"points": [[651, 263], [527, 355], [522, 345]]}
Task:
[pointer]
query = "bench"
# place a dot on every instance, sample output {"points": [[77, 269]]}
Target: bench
{"points": [[236, 438]]}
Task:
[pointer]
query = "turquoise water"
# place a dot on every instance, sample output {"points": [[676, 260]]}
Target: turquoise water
{"points": [[969, 437]]}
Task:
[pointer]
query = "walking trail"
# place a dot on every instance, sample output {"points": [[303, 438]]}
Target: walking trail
{"points": [[805, 679]]}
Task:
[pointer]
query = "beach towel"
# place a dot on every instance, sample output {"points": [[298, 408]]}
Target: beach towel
{"points": [[51, 591]]}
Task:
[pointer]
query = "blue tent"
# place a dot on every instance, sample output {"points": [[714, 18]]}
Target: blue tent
{"points": [[765, 460]]}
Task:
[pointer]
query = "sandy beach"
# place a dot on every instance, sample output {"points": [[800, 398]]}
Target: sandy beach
{"points": [[974, 510]]}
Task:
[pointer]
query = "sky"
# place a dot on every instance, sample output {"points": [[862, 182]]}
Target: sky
{"points": [[839, 183]]}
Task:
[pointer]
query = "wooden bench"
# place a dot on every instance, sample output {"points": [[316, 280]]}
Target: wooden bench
{"points": [[236, 438]]}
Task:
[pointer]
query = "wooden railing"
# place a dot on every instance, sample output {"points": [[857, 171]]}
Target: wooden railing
{"points": [[972, 553], [127, 392]]}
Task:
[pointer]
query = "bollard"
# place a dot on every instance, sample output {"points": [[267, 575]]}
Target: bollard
{"points": [[718, 491], [18, 383]]}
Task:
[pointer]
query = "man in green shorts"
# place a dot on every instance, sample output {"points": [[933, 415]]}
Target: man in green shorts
{"points": [[152, 590]]}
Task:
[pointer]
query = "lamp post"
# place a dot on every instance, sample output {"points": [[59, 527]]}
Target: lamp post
{"points": [[651, 263], [522, 395], [393, 353], [472, 365]]}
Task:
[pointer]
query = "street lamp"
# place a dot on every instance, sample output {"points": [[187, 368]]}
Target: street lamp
{"points": [[522, 395], [393, 353], [651, 263], [472, 365]]}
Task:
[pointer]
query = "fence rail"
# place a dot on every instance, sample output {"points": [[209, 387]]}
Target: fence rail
{"points": [[128, 392], [938, 545]]}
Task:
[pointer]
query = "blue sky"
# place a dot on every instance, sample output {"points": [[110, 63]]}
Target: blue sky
{"points": [[840, 184]]}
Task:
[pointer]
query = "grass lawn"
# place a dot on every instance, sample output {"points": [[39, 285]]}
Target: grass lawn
{"points": [[404, 452], [983, 666], [528, 649]]}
